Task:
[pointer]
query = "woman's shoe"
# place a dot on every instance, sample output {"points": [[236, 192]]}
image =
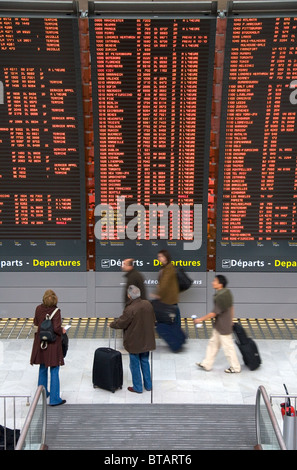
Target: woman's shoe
{"points": [[61, 403]]}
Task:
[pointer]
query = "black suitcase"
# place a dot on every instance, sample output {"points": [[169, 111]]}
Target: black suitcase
{"points": [[172, 334], [247, 347], [108, 369]]}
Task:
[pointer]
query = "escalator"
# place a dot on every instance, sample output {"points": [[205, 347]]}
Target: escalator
{"points": [[151, 427]]}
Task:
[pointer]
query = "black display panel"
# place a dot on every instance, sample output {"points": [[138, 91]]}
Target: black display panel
{"points": [[257, 197], [42, 208], [152, 85]]}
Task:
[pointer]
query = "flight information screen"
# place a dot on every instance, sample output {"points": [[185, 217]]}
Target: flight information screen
{"points": [[41, 145], [152, 85], [257, 199]]}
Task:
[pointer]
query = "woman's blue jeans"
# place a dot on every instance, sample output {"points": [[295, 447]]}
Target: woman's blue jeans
{"points": [[140, 369], [54, 393]]}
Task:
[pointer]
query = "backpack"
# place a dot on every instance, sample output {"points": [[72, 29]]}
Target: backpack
{"points": [[184, 282], [47, 334]]}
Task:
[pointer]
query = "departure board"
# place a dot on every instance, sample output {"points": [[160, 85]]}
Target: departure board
{"points": [[257, 210], [42, 192], [152, 84]]}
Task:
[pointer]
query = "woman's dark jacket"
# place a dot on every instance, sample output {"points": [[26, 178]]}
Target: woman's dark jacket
{"points": [[53, 355]]}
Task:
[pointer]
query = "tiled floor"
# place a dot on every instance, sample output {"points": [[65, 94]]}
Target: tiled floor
{"points": [[176, 378]]}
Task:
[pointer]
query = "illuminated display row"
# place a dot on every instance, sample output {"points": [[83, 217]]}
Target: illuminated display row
{"points": [[40, 194], [42, 188], [150, 93], [260, 146], [152, 84], [257, 211]]}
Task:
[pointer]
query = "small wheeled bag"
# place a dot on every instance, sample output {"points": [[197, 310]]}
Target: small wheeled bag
{"points": [[247, 347], [108, 368]]}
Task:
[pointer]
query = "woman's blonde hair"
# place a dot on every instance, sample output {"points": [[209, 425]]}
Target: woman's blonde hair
{"points": [[49, 298]]}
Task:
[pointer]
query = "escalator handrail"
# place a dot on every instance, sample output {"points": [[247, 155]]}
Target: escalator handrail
{"points": [[262, 392], [39, 392]]}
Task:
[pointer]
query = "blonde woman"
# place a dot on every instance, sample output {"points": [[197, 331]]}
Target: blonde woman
{"points": [[52, 356]]}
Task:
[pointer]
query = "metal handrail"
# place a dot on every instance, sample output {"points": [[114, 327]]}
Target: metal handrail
{"points": [[14, 398], [262, 393], [39, 392]]}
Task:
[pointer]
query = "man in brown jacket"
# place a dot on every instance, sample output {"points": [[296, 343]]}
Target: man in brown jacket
{"points": [[138, 323]]}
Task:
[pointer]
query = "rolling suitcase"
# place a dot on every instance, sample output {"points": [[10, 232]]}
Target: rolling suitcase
{"points": [[172, 334], [108, 368], [247, 347]]}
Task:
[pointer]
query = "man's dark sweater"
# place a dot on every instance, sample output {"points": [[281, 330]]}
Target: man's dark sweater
{"points": [[134, 278]]}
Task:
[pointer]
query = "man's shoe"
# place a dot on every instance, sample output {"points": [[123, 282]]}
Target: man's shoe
{"points": [[231, 371], [131, 389], [199, 364]]}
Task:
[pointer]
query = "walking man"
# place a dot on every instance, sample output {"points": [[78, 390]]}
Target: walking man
{"points": [[223, 328]]}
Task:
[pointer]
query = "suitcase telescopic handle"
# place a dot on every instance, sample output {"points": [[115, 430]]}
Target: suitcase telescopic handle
{"points": [[288, 399], [115, 337]]}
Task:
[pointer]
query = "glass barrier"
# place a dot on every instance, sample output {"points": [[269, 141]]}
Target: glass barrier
{"points": [[13, 412], [32, 436], [269, 436]]}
